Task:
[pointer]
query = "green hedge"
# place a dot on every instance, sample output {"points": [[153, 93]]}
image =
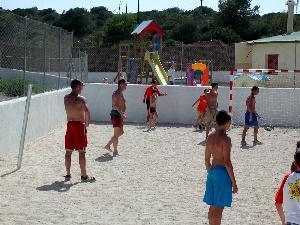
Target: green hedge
{"points": [[17, 87]]}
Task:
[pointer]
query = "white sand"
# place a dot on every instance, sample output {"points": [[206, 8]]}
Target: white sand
{"points": [[158, 179]]}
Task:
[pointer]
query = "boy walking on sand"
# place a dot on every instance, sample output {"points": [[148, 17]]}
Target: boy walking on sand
{"points": [[251, 117], [153, 111], [221, 181]]}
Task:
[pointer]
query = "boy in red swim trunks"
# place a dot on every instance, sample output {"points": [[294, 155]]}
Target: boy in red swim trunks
{"points": [[117, 116], [78, 117], [201, 108]]}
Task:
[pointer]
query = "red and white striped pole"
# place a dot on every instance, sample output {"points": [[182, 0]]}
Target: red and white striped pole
{"points": [[231, 91]]}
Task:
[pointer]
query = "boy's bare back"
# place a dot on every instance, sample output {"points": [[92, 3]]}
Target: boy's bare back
{"points": [[75, 106], [217, 147]]}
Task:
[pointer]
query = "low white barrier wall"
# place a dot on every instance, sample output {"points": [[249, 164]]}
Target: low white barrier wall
{"points": [[278, 107], [46, 113]]}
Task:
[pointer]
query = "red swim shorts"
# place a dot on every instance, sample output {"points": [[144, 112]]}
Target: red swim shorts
{"points": [[117, 121], [201, 108], [76, 136]]}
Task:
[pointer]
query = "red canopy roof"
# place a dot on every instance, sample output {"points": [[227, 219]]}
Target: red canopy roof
{"points": [[148, 26]]}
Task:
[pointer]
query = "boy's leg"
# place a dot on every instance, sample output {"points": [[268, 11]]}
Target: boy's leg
{"points": [[207, 128], [155, 116], [196, 123], [118, 132], [255, 133], [215, 215], [246, 128], [150, 120], [82, 163], [68, 160]]}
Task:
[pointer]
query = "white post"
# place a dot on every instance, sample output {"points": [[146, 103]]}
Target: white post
{"points": [[23, 134]]}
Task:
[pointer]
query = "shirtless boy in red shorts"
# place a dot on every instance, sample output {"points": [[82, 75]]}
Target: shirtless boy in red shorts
{"points": [[117, 116], [78, 117]]}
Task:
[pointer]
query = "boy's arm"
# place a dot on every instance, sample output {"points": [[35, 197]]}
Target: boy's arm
{"points": [[87, 114], [228, 164], [207, 157], [279, 200], [280, 212]]}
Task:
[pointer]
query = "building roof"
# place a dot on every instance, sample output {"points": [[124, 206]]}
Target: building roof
{"points": [[148, 26], [286, 38]]}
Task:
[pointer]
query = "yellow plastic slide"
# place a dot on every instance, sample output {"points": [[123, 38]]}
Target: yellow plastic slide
{"points": [[157, 68]]}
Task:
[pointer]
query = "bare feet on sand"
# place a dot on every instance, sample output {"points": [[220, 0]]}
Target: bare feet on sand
{"points": [[108, 148]]}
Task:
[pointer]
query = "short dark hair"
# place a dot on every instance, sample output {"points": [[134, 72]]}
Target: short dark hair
{"points": [[254, 88], [222, 118], [122, 81], [297, 158], [154, 91], [298, 144], [154, 81], [75, 83], [214, 85]]}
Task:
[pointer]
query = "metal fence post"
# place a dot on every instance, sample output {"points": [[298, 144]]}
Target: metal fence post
{"points": [[44, 46], [59, 58], [24, 127], [86, 67], [181, 61], [80, 66], [25, 53]]}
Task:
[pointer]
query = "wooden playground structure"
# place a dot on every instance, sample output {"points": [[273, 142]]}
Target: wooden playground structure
{"points": [[147, 37]]}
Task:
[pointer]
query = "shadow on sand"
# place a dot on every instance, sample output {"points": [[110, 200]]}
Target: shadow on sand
{"points": [[9, 173], [202, 143], [105, 158], [59, 186]]}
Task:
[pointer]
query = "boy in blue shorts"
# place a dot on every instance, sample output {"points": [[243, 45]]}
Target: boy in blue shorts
{"points": [[221, 181], [251, 117]]}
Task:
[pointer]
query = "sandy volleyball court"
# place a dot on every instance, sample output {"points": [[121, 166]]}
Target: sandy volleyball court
{"points": [[158, 179]]}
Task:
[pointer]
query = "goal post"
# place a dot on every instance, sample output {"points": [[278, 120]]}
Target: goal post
{"points": [[24, 127], [278, 102]]}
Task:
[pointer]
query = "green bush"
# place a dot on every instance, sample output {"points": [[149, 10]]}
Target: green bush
{"points": [[18, 87], [15, 87], [2, 84]]}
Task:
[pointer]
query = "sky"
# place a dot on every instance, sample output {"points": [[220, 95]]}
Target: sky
{"points": [[266, 6]]}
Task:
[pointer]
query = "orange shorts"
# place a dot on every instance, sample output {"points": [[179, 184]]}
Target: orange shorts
{"points": [[201, 108], [76, 136]]}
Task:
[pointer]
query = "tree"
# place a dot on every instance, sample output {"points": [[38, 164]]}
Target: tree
{"points": [[236, 15], [78, 20], [49, 16], [101, 14], [186, 32], [118, 28]]}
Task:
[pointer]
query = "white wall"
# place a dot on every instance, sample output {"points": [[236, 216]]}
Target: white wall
{"points": [[176, 107], [286, 51], [278, 107], [243, 55], [46, 113]]}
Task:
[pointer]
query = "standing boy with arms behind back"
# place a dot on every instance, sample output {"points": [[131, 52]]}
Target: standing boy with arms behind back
{"points": [[221, 181]]}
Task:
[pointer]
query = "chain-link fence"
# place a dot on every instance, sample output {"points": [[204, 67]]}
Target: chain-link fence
{"points": [[221, 56], [37, 53]]}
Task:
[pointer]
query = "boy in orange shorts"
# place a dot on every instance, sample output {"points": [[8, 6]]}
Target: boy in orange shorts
{"points": [[201, 108]]}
